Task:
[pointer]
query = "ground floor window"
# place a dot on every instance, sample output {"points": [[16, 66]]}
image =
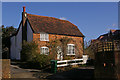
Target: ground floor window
{"points": [[71, 49], [44, 50]]}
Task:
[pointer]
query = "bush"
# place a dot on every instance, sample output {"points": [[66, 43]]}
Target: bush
{"points": [[41, 61], [29, 51], [32, 56], [67, 58]]}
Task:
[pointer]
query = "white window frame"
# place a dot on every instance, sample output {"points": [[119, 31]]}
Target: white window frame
{"points": [[43, 52], [70, 52], [44, 37]]}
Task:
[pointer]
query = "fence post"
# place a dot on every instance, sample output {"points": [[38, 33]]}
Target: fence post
{"points": [[53, 66]]}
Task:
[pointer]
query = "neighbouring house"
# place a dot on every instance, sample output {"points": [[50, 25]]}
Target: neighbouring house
{"points": [[107, 58], [43, 29], [111, 35]]}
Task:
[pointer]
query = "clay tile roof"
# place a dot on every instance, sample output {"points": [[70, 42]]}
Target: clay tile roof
{"points": [[93, 40], [112, 30], [52, 25], [102, 36]]}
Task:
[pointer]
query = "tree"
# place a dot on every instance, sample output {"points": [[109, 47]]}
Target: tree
{"points": [[86, 44], [6, 33], [90, 48]]}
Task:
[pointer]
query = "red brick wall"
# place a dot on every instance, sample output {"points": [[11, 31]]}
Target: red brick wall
{"points": [[78, 41]]}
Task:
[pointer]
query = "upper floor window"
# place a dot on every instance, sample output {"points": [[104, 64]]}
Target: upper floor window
{"points": [[44, 37], [71, 49], [44, 50]]}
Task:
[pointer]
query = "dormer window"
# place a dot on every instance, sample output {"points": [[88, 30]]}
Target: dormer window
{"points": [[44, 37]]}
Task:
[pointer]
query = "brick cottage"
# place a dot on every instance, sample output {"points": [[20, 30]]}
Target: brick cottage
{"points": [[43, 29]]}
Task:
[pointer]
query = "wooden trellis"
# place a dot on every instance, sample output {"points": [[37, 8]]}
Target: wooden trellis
{"points": [[107, 46]]}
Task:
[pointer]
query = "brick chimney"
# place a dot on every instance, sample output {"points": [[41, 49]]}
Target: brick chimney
{"points": [[24, 16], [24, 25], [23, 8]]}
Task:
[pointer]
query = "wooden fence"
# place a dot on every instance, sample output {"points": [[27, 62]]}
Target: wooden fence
{"points": [[64, 63]]}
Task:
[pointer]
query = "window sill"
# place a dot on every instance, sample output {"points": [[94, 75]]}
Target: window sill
{"points": [[44, 54], [44, 40], [70, 54]]}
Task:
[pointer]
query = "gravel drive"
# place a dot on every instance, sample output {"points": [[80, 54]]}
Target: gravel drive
{"points": [[17, 72], [81, 73]]}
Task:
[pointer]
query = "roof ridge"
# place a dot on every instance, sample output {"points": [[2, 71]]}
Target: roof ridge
{"points": [[45, 16]]}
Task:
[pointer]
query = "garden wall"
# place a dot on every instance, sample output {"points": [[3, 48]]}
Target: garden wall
{"points": [[5, 68]]}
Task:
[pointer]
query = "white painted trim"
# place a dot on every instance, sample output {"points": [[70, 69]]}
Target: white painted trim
{"points": [[71, 44], [44, 47], [65, 62], [70, 54]]}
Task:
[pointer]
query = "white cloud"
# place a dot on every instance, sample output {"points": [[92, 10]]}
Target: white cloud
{"points": [[63, 18], [114, 25]]}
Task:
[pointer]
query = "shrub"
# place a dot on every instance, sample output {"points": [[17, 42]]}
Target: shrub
{"points": [[67, 58], [32, 56], [29, 51], [41, 61]]}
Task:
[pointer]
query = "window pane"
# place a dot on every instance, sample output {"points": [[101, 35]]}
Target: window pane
{"points": [[44, 50], [47, 37], [43, 36], [41, 50]]}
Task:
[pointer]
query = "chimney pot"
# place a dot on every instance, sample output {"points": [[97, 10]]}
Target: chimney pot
{"points": [[23, 8]]}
